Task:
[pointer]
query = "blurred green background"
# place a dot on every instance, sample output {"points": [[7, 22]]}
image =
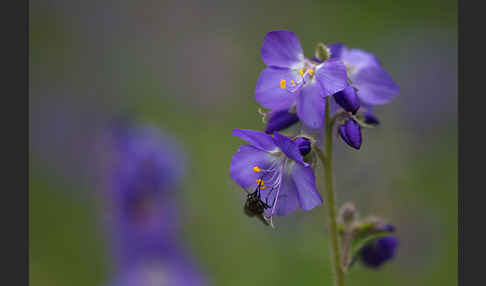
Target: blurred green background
{"points": [[190, 68]]}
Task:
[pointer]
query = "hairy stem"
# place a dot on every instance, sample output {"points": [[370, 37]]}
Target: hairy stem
{"points": [[330, 195]]}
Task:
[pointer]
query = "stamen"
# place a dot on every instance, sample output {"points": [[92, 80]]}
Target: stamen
{"points": [[301, 72], [256, 169], [259, 181], [278, 185], [311, 72], [282, 84], [293, 82]]}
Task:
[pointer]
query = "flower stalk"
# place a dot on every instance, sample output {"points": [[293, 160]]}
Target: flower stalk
{"points": [[326, 160]]}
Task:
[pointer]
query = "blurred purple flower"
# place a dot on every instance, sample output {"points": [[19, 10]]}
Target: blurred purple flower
{"points": [[291, 79], [176, 268], [143, 172], [276, 165]]}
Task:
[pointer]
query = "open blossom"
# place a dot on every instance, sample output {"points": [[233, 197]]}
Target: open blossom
{"points": [[291, 79], [373, 84], [275, 164], [370, 85]]}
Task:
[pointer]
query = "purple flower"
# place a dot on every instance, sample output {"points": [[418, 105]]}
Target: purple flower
{"points": [[174, 268], [291, 79], [379, 251], [350, 132], [276, 165], [144, 168], [374, 84]]}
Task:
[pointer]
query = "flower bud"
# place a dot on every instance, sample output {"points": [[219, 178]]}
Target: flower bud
{"points": [[279, 120], [304, 145], [347, 213], [322, 53], [378, 252], [350, 132], [370, 118], [348, 99]]}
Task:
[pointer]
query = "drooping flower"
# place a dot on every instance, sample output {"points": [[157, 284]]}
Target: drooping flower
{"points": [[290, 79], [275, 164], [373, 84], [379, 251]]}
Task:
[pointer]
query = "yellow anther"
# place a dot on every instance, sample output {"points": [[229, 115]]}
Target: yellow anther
{"points": [[259, 181], [282, 84], [311, 72], [293, 82], [263, 187], [301, 72], [256, 169]]}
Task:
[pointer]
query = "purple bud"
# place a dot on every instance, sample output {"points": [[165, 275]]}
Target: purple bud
{"points": [[389, 228], [348, 99], [280, 120], [304, 145], [378, 252], [351, 133], [370, 118]]}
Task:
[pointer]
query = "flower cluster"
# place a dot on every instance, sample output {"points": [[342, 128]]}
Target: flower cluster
{"points": [[141, 177], [369, 240], [277, 170]]}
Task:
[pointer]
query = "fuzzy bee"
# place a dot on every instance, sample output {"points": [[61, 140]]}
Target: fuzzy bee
{"points": [[254, 206]]}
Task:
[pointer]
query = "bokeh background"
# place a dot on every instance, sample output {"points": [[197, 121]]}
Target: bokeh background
{"points": [[189, 68]]}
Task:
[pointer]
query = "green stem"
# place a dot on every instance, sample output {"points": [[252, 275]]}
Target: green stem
{"points": [[330, 196]]}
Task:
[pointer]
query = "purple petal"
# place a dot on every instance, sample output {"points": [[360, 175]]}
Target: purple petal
{"points": [[358, 60], [336, 50], [305, 182], [287, 197], [257, 139], [351, 133], [348, 99], [268, 91], [280, 120], [375, 86], [282, 49], [247, 157], [311, 105], [332, 76], [289, 147]]}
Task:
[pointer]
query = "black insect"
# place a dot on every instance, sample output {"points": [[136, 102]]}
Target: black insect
{"points": [[254, 206]]}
